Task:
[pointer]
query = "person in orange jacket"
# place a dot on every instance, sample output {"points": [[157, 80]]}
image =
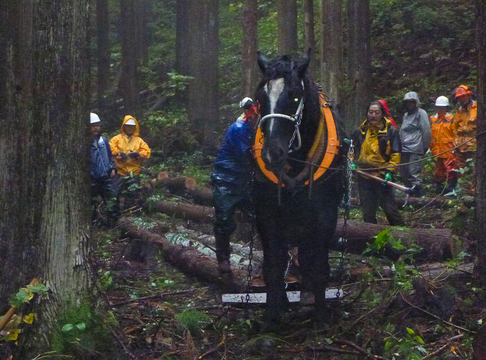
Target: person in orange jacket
{"points": [[465, 126], [441, 125], [465, 133], [129, 151]]}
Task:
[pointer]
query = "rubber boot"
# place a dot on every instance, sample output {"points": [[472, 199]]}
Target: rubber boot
{"points": [[223, 253]]}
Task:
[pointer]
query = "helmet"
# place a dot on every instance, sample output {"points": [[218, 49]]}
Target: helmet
{"points": [[130, 122], [246, 103], [462, 90], [442, 101], [93, 118]]}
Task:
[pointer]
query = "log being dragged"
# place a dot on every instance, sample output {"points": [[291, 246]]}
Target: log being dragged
{"points": [[187, 259], [437, 244]]}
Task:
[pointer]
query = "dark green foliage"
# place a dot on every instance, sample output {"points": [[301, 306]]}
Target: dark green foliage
{"points": [[424, 46]]}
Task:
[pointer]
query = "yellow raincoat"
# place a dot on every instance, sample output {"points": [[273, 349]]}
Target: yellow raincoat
{"points": [[123, 144], [465, 127]]}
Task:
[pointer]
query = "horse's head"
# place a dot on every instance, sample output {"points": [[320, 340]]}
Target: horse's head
{"points": [[282, 95]]}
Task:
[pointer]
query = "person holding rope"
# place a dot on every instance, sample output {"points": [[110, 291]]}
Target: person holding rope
{"points": [[231, 181], [465, 130], [415, 136], [377, 147], [441, 125]]}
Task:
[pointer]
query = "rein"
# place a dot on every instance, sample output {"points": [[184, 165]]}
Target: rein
{"points": [[327, 126]]}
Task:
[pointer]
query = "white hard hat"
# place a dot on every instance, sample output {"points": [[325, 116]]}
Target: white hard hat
{"points": [[130, 122], [442, 101], [93, 118], [246, 103]]}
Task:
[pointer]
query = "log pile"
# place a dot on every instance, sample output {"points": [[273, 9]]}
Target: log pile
{"points": [[438, 244]]}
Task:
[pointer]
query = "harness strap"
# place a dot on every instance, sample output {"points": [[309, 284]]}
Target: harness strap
{"points": [[332, 148]]}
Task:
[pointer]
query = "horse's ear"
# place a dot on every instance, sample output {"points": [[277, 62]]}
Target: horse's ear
{"points": [[305, 63], [263, 62]]}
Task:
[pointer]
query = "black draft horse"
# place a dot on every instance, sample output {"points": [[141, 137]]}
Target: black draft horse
{"points": [[295, 202]]}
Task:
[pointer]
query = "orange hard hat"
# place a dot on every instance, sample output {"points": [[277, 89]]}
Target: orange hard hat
{"points": [[462, 90]]}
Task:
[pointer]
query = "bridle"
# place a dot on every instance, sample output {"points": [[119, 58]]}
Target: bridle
{"points": [[296, 119]]}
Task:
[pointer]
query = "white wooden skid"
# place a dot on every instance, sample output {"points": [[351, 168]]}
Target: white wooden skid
{"points": [[261, 298]]}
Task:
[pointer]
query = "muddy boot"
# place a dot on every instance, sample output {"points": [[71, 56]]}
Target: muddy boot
{"points": [[223, 253]]}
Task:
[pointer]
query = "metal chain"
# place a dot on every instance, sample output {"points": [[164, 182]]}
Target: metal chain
{"points": [[347, 207]]}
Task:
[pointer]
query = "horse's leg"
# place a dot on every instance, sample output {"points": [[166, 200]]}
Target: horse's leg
{"points": [[314, 258], [274, 265]]}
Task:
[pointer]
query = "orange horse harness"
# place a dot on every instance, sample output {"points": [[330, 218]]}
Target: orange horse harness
{"points": [[332, 148]]}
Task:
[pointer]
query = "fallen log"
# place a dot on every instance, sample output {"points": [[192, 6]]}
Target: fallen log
{"points": [[437, 244], [197, 213], [182, 186], [187, 259]]}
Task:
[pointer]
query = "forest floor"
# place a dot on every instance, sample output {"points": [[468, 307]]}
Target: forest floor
{"points": [[389, 311]]}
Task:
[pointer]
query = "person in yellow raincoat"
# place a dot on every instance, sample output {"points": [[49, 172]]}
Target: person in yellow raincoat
{"points": [[442, 127], [465, 124], [129, 151], [377, 146]]}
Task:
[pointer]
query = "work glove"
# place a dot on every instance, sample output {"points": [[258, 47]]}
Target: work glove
{"points": [[388, 177], [134, 155], [123, 155]]}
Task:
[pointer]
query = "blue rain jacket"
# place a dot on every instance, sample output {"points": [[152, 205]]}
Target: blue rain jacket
{"points": [[234, 157], [101, 158]]}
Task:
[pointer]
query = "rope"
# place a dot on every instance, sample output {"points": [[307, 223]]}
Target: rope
{"points": [[398, 165]]}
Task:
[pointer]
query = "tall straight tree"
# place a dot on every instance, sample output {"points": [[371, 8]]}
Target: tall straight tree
{"points": [[309, 33], [44, 213], [102, 48], [480, 262], [128, 87], [331, 48], [182, 36], [287, 26], [202, 107], [249, 47], [359, 61]]}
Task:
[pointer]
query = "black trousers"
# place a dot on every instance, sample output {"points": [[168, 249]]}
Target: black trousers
{"points": [[373, 194], [105, 188]]}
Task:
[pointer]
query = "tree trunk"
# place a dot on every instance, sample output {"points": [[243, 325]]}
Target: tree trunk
{"points": [[287, 27], [309, 34], [103, 49], [331, 49], [128, 86], [480, 261], [249, 48], [182, 37], [145, 10], [359, 63], [44, 212], [438, 244], [202, 107]]}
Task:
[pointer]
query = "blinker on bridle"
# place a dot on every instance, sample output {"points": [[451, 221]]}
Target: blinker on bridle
{"points": [[296, 119]]}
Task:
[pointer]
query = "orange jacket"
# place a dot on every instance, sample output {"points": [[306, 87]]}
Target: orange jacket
{"points": [[465, 127], [442, 129], [122, 143]]}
